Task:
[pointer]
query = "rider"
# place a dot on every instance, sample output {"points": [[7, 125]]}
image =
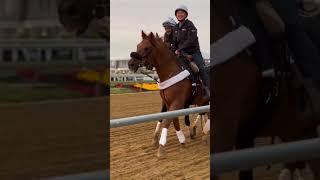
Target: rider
{"points": [[185, 42], [304, 49], [169, 25]]}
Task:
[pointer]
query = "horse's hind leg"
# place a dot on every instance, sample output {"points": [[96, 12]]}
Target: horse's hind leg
{"points": [[187, 123], [179, 132], [156, 134], [194, 126], [206, 130]]}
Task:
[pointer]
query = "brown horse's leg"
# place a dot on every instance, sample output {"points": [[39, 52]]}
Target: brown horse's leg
{"points": [[206, 130], [163, 137], [187, 122], [155, 140], [194, 126], [179, 132]]}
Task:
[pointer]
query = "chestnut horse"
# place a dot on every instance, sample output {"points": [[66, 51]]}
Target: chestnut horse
{"points": [[175, 87], [238, 116]]}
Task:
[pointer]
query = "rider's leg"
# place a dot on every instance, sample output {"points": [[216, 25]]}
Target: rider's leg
{"points": [[198, 59], [184, 62], [306, 54]]}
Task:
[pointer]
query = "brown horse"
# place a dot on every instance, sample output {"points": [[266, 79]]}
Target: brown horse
{"points": [[238, 84], [153, 52]]}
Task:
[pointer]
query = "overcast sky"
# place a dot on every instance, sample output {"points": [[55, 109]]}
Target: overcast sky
{"points": [[129, 17]]}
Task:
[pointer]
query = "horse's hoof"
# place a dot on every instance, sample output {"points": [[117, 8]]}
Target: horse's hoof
{"points": [[161, 152]]}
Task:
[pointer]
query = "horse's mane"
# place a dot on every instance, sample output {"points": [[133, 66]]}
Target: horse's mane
{"points": [[160, 45]]}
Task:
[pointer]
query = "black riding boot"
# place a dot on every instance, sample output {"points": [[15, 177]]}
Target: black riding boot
{"points": [[198, 59]]}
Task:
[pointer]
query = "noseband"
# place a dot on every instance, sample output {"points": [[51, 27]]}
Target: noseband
{"points": [[142, 61]]}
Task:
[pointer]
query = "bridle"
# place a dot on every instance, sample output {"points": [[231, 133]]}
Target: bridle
{"points": [[142, 62]]}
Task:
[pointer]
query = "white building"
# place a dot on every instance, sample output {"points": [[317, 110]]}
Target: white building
{"points": [[119, 71]]}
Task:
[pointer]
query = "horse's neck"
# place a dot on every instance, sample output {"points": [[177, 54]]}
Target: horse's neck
{"points": [[166, 66]]}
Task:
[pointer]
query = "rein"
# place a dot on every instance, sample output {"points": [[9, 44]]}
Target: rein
{"points": [[150, 76]]}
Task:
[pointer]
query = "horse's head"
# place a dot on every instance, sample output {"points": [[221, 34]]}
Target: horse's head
{"points": [[145, 54], [77, 15]]}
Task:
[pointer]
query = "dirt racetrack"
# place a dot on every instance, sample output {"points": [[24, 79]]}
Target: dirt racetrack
{"points": [[132, 157], [53, 138], [131, 154]]}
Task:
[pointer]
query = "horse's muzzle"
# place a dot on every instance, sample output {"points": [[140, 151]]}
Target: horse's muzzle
{"points": [[135, 55]]}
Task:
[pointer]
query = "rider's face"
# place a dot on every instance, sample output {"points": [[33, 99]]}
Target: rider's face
{"points": [[181, 15], [168, 29]]}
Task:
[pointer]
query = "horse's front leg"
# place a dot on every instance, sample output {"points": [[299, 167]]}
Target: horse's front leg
{"points": [[166, 124], [156, 134], [163, 137]]}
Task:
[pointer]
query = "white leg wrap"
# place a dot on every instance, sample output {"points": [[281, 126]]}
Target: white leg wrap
{"points": [[158, 127], [181, 137], [206, 127], [163, 138]]}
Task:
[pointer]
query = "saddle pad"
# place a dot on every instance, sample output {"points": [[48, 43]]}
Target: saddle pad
{"points": [[173, 80]]}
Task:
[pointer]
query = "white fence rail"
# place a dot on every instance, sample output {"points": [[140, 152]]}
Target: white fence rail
{"points": [[265, 155], [157, 116]]}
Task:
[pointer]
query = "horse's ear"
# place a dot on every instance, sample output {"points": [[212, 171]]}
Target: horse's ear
{"points": [[151, 36], [157, 35], [144, 36]]}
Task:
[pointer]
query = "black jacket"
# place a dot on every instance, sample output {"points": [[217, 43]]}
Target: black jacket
{"points": [[168, 39], [185, 37]]}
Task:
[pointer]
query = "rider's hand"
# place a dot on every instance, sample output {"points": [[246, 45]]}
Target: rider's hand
{"points": [[189, 57], [177, 52]]}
